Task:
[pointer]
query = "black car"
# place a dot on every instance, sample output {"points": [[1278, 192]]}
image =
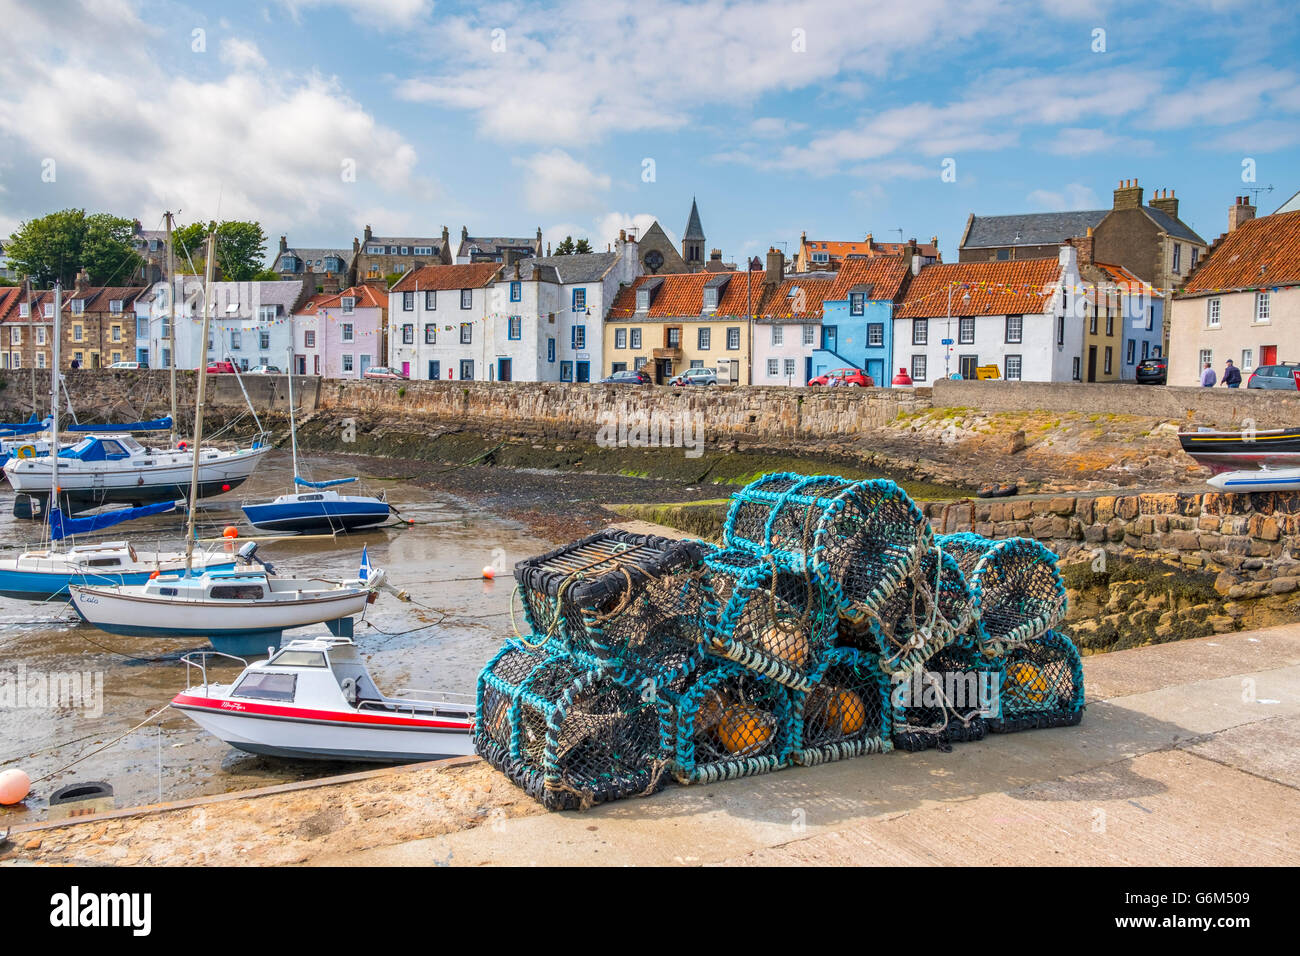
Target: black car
{"points": [[1153, 371], [627, 377]]}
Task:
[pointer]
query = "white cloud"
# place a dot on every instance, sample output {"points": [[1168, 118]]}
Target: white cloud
{"points": [[1082, 141], [381, 14], [1071, 196], [555, 182], [774, 126], [241, 54], [1226, 99]]}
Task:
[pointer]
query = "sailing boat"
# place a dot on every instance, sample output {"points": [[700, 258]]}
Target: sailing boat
{"points": [[43, 574], [320, 510], [238, 612]]}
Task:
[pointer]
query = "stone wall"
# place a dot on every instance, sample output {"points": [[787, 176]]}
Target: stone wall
{"points": [[1221, 407], [1252, 541]]}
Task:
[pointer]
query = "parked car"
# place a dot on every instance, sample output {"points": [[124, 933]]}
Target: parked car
{"points": [[844, 376], [226, 368], [1153, 371], [264, 370], [627, 377], [129, 365], [1285, 376], [695, 376], [384, 373]]}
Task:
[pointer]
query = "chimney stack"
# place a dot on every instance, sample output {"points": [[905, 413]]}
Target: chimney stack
{"points": [[622, 235], [1164, 201], [1241, 212], [1128, 195], [284, 244], [368, 233], [775, 266], [1084, 246], [82, 284]]}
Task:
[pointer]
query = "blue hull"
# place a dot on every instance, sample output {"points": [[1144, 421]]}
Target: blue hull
{"points": [[48, 585], [317, 516], [237, 642]]}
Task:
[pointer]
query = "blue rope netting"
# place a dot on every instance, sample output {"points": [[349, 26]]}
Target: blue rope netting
{"points": [[833, 623]]}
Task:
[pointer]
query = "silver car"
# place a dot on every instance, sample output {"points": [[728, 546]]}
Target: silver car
{"points": [[1285, 376]]}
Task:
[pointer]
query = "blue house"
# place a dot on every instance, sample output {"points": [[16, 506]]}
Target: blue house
{"points": [[857, 318]]}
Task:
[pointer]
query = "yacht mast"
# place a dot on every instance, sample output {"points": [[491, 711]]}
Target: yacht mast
{"points": [[293, 427], [54, 403], [171, 318], [201, 394]]}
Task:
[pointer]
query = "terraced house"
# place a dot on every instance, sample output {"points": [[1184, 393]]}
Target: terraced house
{"points": [[321, 269], [340, 334], [375, 257], [99, 327], [438, 322]]}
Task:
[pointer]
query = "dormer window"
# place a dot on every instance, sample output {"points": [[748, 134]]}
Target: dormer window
{"points": [[349, 304], [643, 300], [856, 303], [78, 307], [288, 264], [48, 310], [115, 306], [710, 300], [24, 310]]}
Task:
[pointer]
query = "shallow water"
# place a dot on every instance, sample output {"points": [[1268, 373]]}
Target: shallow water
{"points": [[438, 560]]}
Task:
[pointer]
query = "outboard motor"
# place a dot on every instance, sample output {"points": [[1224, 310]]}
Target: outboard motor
{"points": [[249, 553]]}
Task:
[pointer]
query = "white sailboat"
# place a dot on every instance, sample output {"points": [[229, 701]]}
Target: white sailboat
{"points": [[238, 612]]}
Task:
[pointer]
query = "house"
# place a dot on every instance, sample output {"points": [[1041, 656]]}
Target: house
{"points": [[496, 248], [151, 246], [1242, 302], [340, 334], [26, 323], [1123, 318], [376, 257], [547, 316], [1024, 236], [1017, 315], [322, 270], [825, 255], [100, 326], [438, 322], [667, 323], [251, 323]]}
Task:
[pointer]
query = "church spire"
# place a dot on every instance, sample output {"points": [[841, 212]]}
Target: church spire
{"points": [[693, 239]]}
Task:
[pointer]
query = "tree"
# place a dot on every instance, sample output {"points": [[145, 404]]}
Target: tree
{"points": [[241, 249], [566, 247], [582, 246], [58, 245]]}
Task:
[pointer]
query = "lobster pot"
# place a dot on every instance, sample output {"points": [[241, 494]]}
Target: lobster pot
{"points": [[634, 601], [498, 687], [1042, 686], [1017, 587], [846, 714], [771, 614], [579, 737], [730, 723], [865, 535], [933, 609], [946, 701]]}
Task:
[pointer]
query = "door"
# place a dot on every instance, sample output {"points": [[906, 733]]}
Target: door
{"points": [[876, 369], [466, 370], [661, 370], [1092, 363], [406, 370], [365, 364], [829, 337], [503, 370], [967, 365], [1268, 355], [808, 371], [583, 372]]}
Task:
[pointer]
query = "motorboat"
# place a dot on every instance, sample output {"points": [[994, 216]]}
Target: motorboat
{"points": [[44, 574], [1250, 480], [315, 700], [1222, 451]]}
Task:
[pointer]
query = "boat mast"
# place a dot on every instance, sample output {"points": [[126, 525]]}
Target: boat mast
{"points": [[171, 318], [293, 427], [200, 395], [54, 405]]}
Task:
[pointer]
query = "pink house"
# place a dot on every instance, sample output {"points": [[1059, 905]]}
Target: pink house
{"points": [[340, 335]]}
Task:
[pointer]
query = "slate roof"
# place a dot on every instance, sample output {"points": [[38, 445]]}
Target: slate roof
{"points": [[439, 278], [1174, 227], [492, 245], [693, 228], [1262, 253], [995, 288], [1031, 229], [580, 267], [311, 255]]}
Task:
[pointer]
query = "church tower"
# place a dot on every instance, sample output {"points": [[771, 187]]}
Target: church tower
{"points": [[693, 240]]}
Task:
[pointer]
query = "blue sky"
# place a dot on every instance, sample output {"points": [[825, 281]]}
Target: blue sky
{"points": [[585, 116]]}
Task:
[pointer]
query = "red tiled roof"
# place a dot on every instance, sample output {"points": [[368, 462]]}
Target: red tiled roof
{"points": [[9, 296], [839, 250], [1260, 254], [682, 294], [995, 288], [314, 302], [439, 278]]}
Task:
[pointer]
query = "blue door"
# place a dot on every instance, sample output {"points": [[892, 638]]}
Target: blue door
{"points": [[503, 370], [829, 337], [583, 372], [876, 369], [807, 369]]}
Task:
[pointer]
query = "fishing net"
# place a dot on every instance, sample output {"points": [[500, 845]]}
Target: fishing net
{"points": [[729, 723], [577, 737], [1041, 686], [946, 701], [772, 614], [931, 610], [1017, 587], [865, 535], [846, 714], [633, 601]]}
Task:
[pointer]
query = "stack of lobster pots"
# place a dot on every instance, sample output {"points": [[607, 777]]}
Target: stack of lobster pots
{"points": [[831, 623]]}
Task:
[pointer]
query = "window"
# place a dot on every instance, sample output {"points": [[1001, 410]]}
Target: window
{"points": [[618, 367], [430, 300], [264, 341], [1212, 313], [1092, 323], [550, 349], [48, 310], [24, 310], [516, 291], [809, 335], [789, 367], [408, 334], [966, 330], [405, 250], [141, 327], [236, 339], [636, 338], [773, 367], [1207, 357], [1065, 299], [918, 368], [1109, 352], [515, 329], [778, 335], [265, 314], [704, 339], [1151, 317], [638, 364], [40, 335], [1247, 359], [345, 332], [1110, 321], [1146, 349], [375, 250], [1011, 368], [579, 337], [347, 362], [875, 334], [309, 339], [264, 686], [430, 334], [920, 332], [673, 338], [697, 363], [15, 335], [857, 303], [566, 371], [115, 306], [733, 338], [710, 299], [40, 359], [350, 304], [1130, 354], [1178, 257], [408, 301], [1261, 306], [620, 338], [466, 333], [422, 250], [78, 306], [1015, 329], [643, 300], [1196, 254]]}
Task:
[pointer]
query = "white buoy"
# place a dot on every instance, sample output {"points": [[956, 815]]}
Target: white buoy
{"points": [[14, 787]]}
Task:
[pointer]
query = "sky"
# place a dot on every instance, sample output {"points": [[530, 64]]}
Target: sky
{"points": [[317, 117]]}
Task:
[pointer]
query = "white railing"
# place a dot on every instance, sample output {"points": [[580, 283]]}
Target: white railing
{"points": [[199, 660]]}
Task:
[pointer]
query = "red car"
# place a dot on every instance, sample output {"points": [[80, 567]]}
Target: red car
{"points": [[845, 376], [222, 367]]}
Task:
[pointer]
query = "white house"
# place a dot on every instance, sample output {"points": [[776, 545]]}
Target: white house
{"points": [[1018, 315], [251, 322], [437, 322]]}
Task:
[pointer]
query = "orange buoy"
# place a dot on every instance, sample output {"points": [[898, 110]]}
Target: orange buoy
{"points": [[14, 787], [152, 575], [489, 572], [230, 532]]}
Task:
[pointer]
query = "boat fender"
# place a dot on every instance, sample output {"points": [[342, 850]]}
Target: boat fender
{"points": [[349, 687], [26, 451]]}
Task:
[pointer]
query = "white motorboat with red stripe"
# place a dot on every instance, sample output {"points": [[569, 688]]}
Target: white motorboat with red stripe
{"points": [[314, 699]]}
